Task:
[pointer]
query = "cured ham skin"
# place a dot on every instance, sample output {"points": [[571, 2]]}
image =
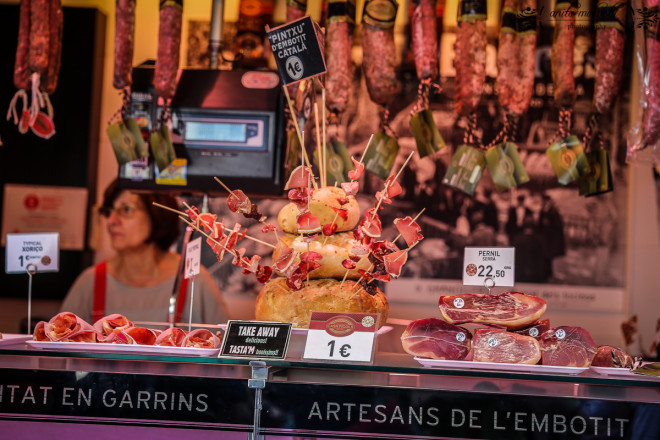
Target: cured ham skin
{"points": [[436, 339], [512, 310], [68, 327], [536, 329], [201, 338], [567, 346], [608, 356], [107, 326], [501, 346]]}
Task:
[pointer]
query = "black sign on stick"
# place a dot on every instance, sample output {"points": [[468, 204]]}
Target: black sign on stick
{"points": [[297, 50], [256, 339]]}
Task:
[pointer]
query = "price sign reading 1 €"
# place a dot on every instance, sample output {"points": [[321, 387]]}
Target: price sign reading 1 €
{"points": [[482, 263], [341, 337]]}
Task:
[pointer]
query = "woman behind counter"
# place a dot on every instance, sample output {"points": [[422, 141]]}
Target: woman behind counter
{"points": [[138, 281]]}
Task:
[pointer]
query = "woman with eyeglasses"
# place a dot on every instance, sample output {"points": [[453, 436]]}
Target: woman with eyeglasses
{"points": [[138, 281]]}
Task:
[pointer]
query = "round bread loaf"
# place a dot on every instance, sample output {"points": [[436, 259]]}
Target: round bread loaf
{"points": [[320, 205], [334, 249], [276, 302]]}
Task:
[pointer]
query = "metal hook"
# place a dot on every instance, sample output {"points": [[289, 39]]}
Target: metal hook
{"points": [[489, 283]]}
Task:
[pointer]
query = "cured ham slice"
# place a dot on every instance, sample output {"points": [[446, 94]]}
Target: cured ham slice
{"points": [[535, 330], [301, 177], [68, 327], [134, 335], [172, 337], [409, 230], [238, 202], [39, 333], [567, 346], [608, 356], [201, 338], [512, 310], [501, 346], [108, 325], [436, 339], [357, 172]]}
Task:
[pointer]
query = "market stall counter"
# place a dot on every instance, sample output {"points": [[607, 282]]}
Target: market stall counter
{"points": [[166, 396]]}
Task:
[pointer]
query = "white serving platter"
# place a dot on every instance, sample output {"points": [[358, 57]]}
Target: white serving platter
{"points": [[96, 347], [495, 366]]}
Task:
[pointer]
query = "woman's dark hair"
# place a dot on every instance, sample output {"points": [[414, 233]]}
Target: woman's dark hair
{"points": [[165, 227]]}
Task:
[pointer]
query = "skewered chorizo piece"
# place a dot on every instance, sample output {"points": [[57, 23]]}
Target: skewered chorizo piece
{"points": [[124, 42], [169, 43], [425, 38], [470, 55], [561, 54], [379, 58]]}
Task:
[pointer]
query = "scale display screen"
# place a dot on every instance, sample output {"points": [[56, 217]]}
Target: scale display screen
{"points": [[216, 131]]}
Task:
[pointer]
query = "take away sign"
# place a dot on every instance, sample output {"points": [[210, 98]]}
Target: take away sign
{"points": [[297, 50]]}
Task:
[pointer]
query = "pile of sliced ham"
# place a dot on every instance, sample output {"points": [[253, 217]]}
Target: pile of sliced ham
{"points": [[508, 329], [117, 329]]}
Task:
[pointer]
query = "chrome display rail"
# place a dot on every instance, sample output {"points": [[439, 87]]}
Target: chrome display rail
{"points": [[168, 397]]}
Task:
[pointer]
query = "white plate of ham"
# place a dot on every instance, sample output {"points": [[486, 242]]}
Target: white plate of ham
{"points": [[494, 366], [612, 371], [9, 339], [95, 347]]}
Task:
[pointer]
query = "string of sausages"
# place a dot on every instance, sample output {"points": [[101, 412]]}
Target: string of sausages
{"points": [[424, 32], [37, 65]]}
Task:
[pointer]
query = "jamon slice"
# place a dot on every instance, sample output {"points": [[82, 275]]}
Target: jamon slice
{"points": [[436, 339], [608, 356], [68, 327], [513, 310], [134, 335], [567, 346], [108, 325], [39, 333], [535, 330], [501, 346], [172, 337], [201, 338]]}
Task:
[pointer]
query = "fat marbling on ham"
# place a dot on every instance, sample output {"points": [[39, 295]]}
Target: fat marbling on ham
{"points": [[436, 339], [608, 356], [513, 310], [567, 346], [501, 346]]}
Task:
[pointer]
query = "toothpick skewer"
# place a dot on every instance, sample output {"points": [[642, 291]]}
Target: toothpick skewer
{"points": [[325, 178], [295, 124], [225, 187], [169, 209], [318, 145]]}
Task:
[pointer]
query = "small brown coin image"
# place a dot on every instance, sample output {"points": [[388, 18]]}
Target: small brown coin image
{"points": [[471, 269], [45, 260]]}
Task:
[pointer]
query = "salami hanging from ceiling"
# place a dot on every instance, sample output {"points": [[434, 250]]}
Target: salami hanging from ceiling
{"points": [[37, 65]]}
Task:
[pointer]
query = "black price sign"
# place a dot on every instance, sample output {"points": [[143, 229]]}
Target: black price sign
{"points": [[297, 50], [256, 339]]}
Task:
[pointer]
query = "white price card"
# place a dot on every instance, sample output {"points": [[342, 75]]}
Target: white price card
{"points": [[193, 257], [341, 337], [38, 252], [496, 264]]}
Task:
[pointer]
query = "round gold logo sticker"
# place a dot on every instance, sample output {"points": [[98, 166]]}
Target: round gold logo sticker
{"points": [[340, 326]]}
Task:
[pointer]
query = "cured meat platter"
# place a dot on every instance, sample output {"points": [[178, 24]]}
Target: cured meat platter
{"points": [[152, 350], [497, 366], [9, 340]]}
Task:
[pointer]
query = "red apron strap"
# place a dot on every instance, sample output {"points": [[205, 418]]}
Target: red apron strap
{"points": [[98, 309], [181, 299]]}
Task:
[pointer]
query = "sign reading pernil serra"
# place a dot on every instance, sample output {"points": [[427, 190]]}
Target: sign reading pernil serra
{"points": [[297, 50], [256, 339]]}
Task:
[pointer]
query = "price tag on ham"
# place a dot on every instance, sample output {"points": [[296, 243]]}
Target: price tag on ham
{"points": [[496, 263], [193, 256], [341, 337], [38, 252]]}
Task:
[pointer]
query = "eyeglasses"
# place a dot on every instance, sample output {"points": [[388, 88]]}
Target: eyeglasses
{"points": [[123, 211]]}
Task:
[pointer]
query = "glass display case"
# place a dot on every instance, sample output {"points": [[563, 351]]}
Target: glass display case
{"points": [[94, 394]]}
